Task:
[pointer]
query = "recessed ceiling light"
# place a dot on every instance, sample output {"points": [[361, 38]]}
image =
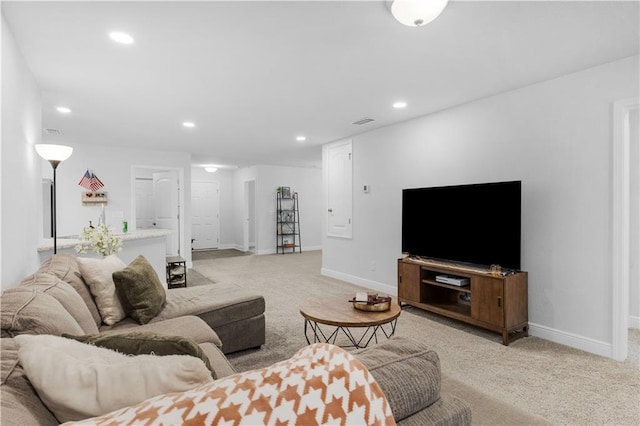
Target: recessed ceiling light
{"points": [[211, 169], [63, 110], [301, 138], [120, 37], [400, 105], [188, 124]]}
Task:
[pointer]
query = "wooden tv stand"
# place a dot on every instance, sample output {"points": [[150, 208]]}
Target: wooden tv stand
{"points": [[498, 303]]}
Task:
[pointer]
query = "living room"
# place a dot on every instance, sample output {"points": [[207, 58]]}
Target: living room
{"points": [[555, 133]]}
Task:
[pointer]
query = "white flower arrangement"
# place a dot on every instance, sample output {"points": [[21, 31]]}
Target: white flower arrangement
{"points": [[100, 240]]}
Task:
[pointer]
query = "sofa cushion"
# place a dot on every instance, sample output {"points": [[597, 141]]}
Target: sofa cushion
{"points": [[65, 267], [76, 381], [66, 295], [145, 343], [25, 310], [19, 402], [140, 291], [97, 273], [407, 371], [187, 326], [216, 307]]}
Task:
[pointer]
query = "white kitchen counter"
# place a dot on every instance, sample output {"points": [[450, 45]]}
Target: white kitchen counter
{"points": [[138, 234], [151, 243]]}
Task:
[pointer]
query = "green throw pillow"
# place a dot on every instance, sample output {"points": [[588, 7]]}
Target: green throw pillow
{"points": [[142, 343], [140, 291]]}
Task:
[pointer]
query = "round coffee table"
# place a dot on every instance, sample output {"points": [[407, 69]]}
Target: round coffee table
{"points": [[342, 317]]}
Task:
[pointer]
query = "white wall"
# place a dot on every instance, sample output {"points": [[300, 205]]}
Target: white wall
{"points": [[227, 212], [21, 217], [306, 181], [113, 166], [634, 265], [555, 136]]}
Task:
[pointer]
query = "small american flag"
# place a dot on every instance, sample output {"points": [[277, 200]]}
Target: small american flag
{"points": [[90, 181], [95, 183], [85, 182]]}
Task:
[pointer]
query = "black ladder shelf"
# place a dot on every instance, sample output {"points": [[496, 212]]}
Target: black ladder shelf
{"points": [[287, 224]]}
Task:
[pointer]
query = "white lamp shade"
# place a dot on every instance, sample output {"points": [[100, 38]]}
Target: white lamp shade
{"points": [[211, 169], [415, 13], [54, 152]]}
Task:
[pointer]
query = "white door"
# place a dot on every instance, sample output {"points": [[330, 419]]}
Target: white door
{"points": [[168, 208], [339, 189], [205, 209], [145, 205]]}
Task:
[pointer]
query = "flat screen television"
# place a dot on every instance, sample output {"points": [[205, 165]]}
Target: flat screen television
{"points": [[476, 224]]}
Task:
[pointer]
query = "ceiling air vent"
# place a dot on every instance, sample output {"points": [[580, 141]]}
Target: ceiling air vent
{"points": [[363, 121], [51, 131]]}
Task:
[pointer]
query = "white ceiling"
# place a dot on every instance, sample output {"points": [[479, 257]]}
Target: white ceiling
{"points": [[254, 75]]}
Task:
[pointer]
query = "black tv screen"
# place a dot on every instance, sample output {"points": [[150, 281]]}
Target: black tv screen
{"points": [[477, 224]]}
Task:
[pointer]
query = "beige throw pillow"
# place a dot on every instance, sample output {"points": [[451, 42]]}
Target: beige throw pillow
{"points": [[98, 274], [76, 381]]}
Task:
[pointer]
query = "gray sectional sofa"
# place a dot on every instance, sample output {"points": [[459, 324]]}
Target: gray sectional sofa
{"points": [[55, 300]]}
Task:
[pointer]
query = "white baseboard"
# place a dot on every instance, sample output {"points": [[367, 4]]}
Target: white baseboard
{"points": [[227, 246], [573, 340], [362, 282], [634, 322]]}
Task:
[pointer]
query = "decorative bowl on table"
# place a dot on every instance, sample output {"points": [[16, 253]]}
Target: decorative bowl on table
{"points": [[374, 303]]}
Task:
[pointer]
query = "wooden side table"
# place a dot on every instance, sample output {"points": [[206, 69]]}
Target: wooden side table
{"points": [[176, 272]]}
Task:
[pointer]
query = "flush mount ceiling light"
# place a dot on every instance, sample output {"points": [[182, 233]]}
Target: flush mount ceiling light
{"points": [[301, 138], [212, 168], [416, 13], [400, 105], [63, 109], [120, 37], [189, 124]]}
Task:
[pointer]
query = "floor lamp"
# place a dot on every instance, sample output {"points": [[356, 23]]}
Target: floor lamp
{"points": [[54, 154]]}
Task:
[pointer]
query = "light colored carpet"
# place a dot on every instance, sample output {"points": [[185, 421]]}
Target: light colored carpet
{"points": [[555, 382], [216, 254]]}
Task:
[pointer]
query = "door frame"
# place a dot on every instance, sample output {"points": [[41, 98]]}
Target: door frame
{"points": [[620, 253], [219, 207], [184, 248], [246, 215]]}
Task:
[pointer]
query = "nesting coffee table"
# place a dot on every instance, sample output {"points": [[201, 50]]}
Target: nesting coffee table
{"points": [[340, 318]]}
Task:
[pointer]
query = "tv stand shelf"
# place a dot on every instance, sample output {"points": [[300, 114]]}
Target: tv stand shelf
{"points": [[494, 302]]}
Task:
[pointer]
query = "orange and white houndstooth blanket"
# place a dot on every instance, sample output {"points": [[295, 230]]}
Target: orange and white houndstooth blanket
{"points": [[320, 384]]}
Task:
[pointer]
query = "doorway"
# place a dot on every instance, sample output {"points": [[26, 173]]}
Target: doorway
{"points": [[158, 203], [249, 240], [623, 222]]}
